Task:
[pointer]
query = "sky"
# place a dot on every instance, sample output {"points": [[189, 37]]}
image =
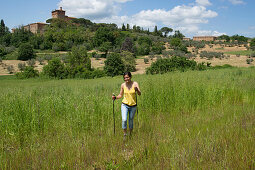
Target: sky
{"points": [[191, 17]]}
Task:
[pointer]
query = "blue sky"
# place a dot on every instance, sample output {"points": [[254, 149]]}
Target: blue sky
{"points": [[191, 17]]}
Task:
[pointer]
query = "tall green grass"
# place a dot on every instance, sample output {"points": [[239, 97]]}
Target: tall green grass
{"points": [[195, 120]]}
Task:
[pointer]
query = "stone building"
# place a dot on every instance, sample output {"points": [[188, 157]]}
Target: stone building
{"points": [[185, 38], [36, 27], [204, 38], [40, 27], [60, 14]]}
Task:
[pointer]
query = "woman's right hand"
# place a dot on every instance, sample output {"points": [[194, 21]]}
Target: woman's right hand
{"points": [[113, 97]]}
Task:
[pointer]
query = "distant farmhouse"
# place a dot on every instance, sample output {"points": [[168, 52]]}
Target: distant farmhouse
{"points": [[36, 27], [185, 38], [40, 27], [204, 38]]}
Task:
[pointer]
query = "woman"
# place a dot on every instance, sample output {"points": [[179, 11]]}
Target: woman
{"points": [[128, 107]]}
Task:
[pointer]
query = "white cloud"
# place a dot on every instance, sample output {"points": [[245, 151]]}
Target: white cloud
{"points": [[187, 19], [237, 2], [92, 9], [203, 2], [208, 32]]}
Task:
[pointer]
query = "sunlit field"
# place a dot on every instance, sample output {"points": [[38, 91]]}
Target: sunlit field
{"points": [[190, 120]]}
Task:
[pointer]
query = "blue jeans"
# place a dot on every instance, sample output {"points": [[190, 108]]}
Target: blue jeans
{"points": [[125, 109]]}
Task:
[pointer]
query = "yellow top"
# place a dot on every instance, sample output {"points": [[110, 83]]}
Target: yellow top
{"points": [[129, 96]]}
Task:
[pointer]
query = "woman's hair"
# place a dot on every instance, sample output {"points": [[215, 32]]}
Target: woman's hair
{"points": [[127, 73]]}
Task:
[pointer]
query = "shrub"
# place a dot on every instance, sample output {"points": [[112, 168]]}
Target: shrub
{"points": [[114, 65], [171, 64], [1, 60], [59, 47], [93, 54], [10, 68], [25, 52], [249, 60], [40, 60], [48, 57], [55, 69], [31, 62], [252, 55], [128, 61], [223, 66], [22, 66], [98, 73], [146, 60], [29, 72], [97, 56]]}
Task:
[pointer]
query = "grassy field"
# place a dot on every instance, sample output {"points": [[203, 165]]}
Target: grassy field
{"points": [[247, 52], [191, 120]]}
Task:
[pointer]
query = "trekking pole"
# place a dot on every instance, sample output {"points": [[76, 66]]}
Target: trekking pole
{"points": [[113, 114], [137, 110]]}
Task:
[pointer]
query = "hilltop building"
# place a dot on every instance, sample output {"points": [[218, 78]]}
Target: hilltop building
{"points": [[185, 38], [60, 14], [40, 27], [204, 38], [36, 27]]}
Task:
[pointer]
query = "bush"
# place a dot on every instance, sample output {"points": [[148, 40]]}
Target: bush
{"points": [[29, 72], [252, 55], [146, 60], [223, 66], [249, 60], [40, 60], [10, 68], [171, 64], [211, 55], [59, 47], [98, 73], [114, 65], [22, 66], [128, 61], [55, 69], [25, 52], [31, 62], [93, 54]]}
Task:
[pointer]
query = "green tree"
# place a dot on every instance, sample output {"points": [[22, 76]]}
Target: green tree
{"points": [[166, 30], [29, 72], [224, 37], [128, 61], [25, 52], [19, 36], [252, 44], [105, 47], [3, 28], [79, 57], [55, 69], [238, 38], [123, 27], [127, 45], [175, 42], [178, 34], [114, 65], [103, 34]]}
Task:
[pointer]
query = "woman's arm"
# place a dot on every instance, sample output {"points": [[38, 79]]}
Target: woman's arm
{"points": [[137, 89], [121, 93]]}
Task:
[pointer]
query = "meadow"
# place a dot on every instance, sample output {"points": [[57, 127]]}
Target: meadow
{"points": [[190, 120]]}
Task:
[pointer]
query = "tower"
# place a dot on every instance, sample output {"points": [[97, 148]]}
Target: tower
{"points": [[59, 13]]}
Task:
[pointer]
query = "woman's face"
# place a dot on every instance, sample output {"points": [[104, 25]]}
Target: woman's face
{"points": [[127, 79]]}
